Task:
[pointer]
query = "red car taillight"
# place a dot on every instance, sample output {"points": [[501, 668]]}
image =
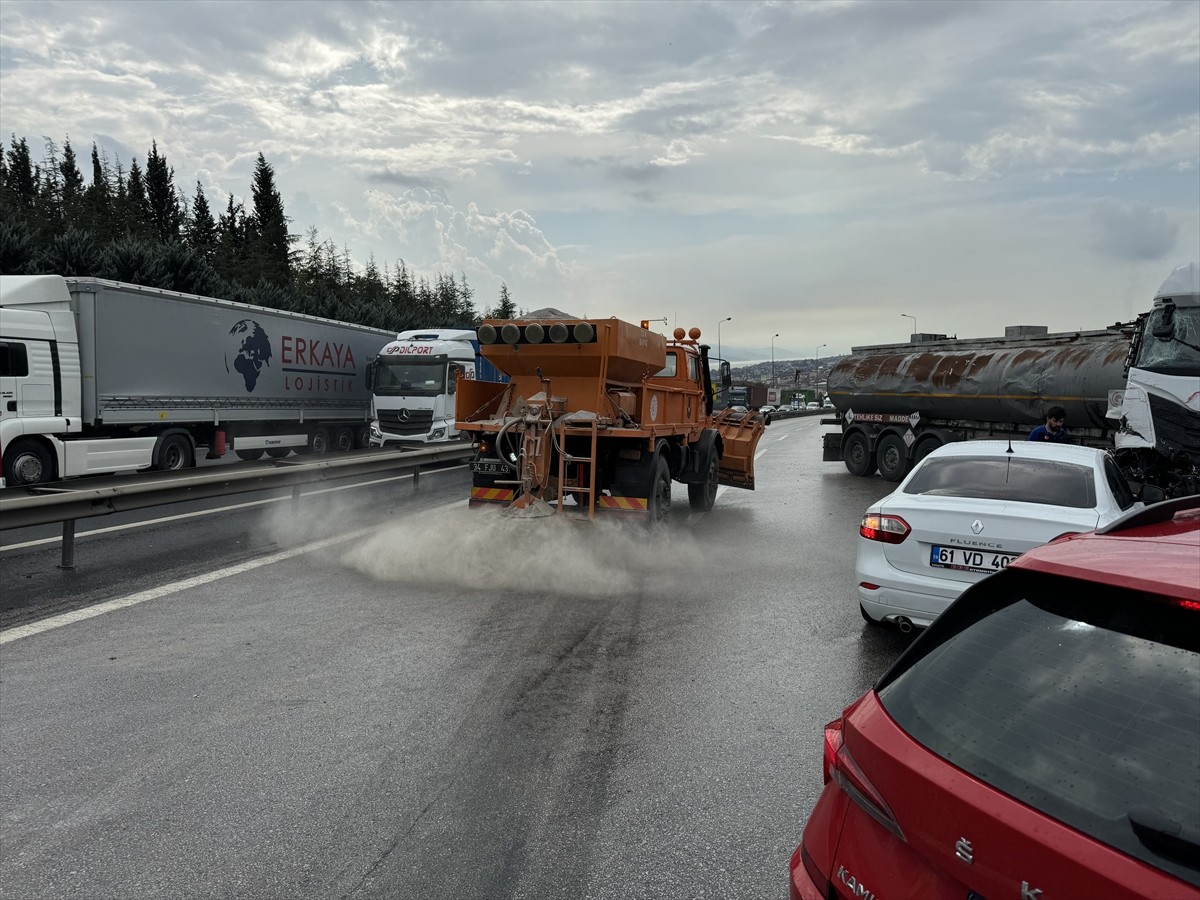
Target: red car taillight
{"points": [[841, 769], [888, 529]]}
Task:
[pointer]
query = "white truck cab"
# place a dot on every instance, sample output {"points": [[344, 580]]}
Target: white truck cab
{"points": [[413, 382]]}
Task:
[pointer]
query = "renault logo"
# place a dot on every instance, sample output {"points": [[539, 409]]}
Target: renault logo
{"points": [[403, 414], [976, 526]]}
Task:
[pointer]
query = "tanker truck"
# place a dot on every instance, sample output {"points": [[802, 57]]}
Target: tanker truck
{"points": [[599, 417], [897, 402], [1158, 413], [413, 380], [99, 376]]}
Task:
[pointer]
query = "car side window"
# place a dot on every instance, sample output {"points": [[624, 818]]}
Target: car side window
{"points": [[1118, 485]]}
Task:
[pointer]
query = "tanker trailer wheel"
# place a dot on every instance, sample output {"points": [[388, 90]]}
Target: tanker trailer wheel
{"points": [[892, 456], [925, 446], [173, 452], [702, 496], [343, 439], [27, 463], [857, 453], [278, 452], [249, 455], [659, 500]]}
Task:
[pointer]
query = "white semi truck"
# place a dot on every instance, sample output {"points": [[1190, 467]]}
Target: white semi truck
{"points": [[98, 377], [414, 379], [1158, 414]]}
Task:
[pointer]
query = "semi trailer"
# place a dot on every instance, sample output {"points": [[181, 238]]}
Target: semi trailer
{"points": [[99, 376], [1133, 388]]}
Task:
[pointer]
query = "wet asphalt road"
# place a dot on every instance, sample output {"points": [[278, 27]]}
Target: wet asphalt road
{"points": [[440, 704]]}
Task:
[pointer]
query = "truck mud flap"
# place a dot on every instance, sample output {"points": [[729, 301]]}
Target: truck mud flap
{"points": [[832, 450], [740, 433], [488, 496]]}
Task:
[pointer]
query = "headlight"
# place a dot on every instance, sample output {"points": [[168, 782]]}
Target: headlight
{"points": [[437, 433]]}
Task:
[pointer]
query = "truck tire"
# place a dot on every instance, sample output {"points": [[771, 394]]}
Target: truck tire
{"points": [[278, 452], [249, 455], [892, 457], [173, 452], [702, 496], [27, 463], [362, 437], [343, 440], [858, 456], [318, 441], [925, 446], [659, 499]]}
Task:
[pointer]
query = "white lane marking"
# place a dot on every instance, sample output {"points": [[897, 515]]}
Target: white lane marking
{"points": [[208, 512], [79, 615]]}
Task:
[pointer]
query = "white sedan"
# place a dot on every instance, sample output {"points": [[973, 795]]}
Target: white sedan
{"points": [[968, 509]]}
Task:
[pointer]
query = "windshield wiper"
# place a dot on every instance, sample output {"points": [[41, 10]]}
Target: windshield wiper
{"points": [[1166, 837]]}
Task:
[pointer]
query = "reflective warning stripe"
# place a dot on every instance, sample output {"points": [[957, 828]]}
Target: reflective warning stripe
{"points": [[492, 495], [638, 504]]}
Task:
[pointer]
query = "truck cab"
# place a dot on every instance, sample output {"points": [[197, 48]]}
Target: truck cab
{"points": [[1159, 410], [413, 382]]}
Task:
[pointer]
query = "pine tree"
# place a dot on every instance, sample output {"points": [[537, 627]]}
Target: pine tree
{"points": [[201, 229], [21, 181], [161, 201], [97, 200], [505, 309], [72, 187], [134, 214], [230, 256], [268, 238]]}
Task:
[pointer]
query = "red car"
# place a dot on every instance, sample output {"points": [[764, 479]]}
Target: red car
{"points": [[1040, 741]]}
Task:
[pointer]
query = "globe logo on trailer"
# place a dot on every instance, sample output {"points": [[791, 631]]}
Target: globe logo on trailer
{"points": [[248, 349]]}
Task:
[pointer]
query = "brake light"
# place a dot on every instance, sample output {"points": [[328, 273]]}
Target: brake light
{"points": [[1189, 604], [887, 529], [840, 768]]}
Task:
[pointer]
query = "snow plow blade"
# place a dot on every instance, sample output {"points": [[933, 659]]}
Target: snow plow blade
{"points": [[740, 433]]}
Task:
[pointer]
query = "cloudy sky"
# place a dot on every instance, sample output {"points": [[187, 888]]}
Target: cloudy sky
{"points": [[814, 170]]}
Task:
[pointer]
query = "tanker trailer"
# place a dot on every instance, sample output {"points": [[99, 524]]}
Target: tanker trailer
{"points": [[898, 402], [599, 417]]}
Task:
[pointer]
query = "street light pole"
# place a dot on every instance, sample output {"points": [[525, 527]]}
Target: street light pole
{"points": [[719, 324], [817, 373], [773, 384], [914, 318]]}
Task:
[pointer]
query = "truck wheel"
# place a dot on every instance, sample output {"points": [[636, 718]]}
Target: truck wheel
{"points": [[857, 453], [318, 441], [343, 440], [362, 437], [702, 496], [659, 501], [278, 452], [924, 447], [174, 452], [249, 455], [893, 457], [27, 463]]}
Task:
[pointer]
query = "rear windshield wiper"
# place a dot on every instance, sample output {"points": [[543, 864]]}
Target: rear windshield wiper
{"points": [[1166, 837]]}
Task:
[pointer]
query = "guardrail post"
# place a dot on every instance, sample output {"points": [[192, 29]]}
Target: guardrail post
{"points": [[68, 545], [417, 476]]}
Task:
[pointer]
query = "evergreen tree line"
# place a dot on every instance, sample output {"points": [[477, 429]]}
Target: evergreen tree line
{"points": [[135, 225]]}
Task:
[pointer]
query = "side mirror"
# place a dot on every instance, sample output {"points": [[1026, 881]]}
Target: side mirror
{"points": [[372, 366], [1164, 324], [726, 376], [1151, 493]]}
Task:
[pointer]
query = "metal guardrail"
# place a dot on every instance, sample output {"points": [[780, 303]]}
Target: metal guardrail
{"points": [[58, 503]]}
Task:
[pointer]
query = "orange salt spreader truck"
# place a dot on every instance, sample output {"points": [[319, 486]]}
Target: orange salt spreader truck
{"points": [[598, 417]]}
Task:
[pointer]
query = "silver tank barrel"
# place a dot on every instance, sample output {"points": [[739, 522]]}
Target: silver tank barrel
{"points": [[991, 381]]}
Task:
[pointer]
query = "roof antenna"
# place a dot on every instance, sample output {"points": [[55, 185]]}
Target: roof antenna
{"points": [[1010, 449]]}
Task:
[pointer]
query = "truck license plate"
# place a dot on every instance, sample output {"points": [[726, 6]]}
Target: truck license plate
{"points": [[969, 560], [489, 468]]}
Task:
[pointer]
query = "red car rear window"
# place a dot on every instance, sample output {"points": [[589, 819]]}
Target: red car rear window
{"points": [[1080, 701]]}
